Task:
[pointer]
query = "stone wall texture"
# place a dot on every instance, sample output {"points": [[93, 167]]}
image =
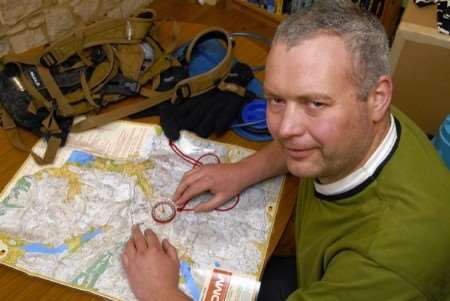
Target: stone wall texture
{"points": [[25, 24]]}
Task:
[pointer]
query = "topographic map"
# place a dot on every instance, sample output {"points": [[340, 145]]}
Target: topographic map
{"points": [[68, 222]]}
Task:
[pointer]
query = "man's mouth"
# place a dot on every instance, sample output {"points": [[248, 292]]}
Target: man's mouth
{"points": [[298, 153]]}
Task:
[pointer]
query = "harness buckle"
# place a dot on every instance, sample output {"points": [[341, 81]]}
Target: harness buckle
{"points": [[48, 60], [182, 92]]}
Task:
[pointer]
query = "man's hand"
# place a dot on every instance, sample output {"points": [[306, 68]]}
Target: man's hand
{"points": [[152, 268], [224, 181]]}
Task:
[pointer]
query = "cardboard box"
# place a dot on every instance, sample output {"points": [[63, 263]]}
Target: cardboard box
{"points": [[420, 58]]}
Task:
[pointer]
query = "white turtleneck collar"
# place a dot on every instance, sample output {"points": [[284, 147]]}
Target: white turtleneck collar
{"points": [[360, 175]]}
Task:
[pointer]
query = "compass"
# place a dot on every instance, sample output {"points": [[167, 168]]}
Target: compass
{"points": [[164, 211]]}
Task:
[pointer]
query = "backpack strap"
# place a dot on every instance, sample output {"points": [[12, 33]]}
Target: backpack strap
{"points": [[94, 121], [39, 101], [203, 82], [64, 107], [163, 61], [14, 138], [11, 131], [35, 79], [184, 89], [107, 31], [102, 74], [122, 31]]}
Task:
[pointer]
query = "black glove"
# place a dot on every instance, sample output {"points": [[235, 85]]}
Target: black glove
{"points": [[211, 112]]}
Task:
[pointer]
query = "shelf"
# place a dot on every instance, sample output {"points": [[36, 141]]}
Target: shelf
{"points": [[389, 18], [255, 11], [420, 68]]}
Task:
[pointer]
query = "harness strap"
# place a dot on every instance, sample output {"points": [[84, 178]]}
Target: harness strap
{"points": [[231, 87], [162, 61], [107, 31], [78, 46], [101, 75], [186, 88], [13, 136], [39, 100], [50, 126], [154, 98], [11, 131], [32, 108], [104, 72], [87, 92], [131, 58], [53, 145], [30, 57], [201, 83], [173, 42], [161, 64], [110, 31], [63, 104], [123, 31]]}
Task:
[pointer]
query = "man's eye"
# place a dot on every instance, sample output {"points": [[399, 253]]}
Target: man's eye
{"points": [[316, 104], [275, 100]]}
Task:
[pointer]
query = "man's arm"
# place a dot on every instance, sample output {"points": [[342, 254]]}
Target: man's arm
{"points": [[266, 163], [225, 181]]}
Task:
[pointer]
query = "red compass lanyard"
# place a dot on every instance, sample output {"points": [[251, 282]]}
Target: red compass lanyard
{"points": [[197, 163]]}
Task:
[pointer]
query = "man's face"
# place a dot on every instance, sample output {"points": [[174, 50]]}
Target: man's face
{"points": [[314, 111]]}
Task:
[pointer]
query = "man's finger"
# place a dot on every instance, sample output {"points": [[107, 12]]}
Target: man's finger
{"points": [[194, 190], [152, 239], [170, 250], [211, 204], [188, 179], [125, 260], [130, 248], [139, 240]]}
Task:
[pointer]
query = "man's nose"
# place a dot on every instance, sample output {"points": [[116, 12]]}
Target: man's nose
{"points": [[293, 122]]}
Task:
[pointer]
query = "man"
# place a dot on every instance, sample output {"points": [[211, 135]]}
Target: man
{"points": [[374, 201]]}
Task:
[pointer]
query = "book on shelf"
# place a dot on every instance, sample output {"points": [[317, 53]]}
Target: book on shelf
{"points": [[268, 5], [374, 6], [286, 7], [281, 7]]}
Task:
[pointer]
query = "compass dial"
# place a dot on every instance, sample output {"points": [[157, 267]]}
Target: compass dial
{"points": [[164, 211]]}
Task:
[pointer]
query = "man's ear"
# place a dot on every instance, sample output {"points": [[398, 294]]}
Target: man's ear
{"points": [[380, 98]]}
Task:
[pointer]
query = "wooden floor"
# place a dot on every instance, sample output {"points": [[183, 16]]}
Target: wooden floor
{"points": [[14, 286]]}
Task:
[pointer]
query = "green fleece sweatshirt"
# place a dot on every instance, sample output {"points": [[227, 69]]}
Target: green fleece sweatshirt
{"points": [[386, 239]]}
